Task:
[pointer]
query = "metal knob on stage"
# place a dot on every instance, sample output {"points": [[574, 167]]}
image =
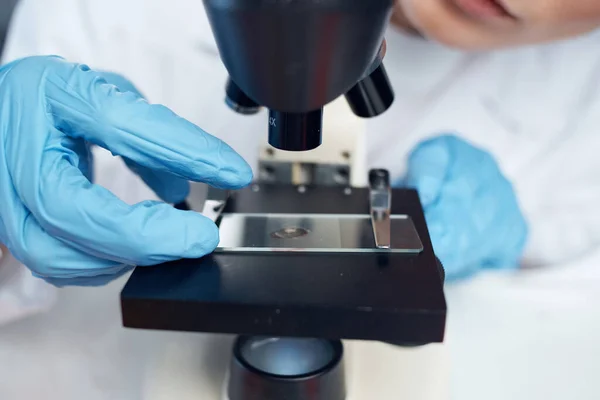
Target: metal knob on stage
{"points": [[273, 368]]}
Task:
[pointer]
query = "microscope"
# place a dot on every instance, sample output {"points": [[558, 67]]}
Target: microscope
{"points": [[307, 258]]}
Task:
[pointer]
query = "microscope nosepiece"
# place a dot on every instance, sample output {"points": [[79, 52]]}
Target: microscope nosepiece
{"points": [[371, 96], [238, 101], [295, 131]]}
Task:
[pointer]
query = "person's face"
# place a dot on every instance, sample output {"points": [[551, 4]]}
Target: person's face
{"points": [[485, 24]]}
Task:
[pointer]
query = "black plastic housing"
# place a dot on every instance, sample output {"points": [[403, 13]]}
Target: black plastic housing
{"points": [[295, 131], [372, 96], [239, 101], [249, 383], [298, 55]]}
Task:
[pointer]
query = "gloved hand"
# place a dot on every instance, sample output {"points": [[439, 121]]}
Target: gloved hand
{"points": [[471, 209], [165, 185], [53, 219]]}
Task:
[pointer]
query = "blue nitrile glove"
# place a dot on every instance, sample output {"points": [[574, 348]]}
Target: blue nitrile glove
{"points": [[168, 187], [64, 228], [471, 209]]}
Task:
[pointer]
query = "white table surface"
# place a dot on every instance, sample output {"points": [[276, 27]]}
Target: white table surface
{"points": [[526, 337]]}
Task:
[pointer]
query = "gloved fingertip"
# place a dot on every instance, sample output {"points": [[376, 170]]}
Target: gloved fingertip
{"points": [[234, 172], [200, 237], [187, 234], [235, 179]]}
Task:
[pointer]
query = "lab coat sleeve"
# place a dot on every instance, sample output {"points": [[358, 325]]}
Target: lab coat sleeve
{"points": [[38, 27], [564, 221], [21, 294], [51, 27], [537, 109]]}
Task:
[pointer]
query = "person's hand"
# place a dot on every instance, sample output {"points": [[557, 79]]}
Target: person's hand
{"points": [[168, 187], [69, 231], [472, 212]]}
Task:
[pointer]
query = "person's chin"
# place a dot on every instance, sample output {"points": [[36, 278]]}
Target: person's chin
{"points": [[442, 21]]}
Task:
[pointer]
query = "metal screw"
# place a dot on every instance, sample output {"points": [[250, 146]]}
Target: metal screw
{"points": [[341, 176], [255, 188], [267, 173], [301, 189], [348, 191], [270, 152], [346, 155]]}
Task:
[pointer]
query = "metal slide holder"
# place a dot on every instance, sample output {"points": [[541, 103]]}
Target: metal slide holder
{"points": [[216, 200], [381, 205], [320, 233]]}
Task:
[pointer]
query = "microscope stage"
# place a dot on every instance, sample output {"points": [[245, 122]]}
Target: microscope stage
{"points": [[335, 284]]}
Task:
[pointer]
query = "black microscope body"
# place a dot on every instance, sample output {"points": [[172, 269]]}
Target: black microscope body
{"points": [[293, 57]]}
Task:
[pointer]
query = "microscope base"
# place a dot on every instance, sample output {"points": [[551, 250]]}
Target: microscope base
{"points": [[194, 367]]}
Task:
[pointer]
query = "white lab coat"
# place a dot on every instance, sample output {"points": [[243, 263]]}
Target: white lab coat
{"points": [[531, 336]]}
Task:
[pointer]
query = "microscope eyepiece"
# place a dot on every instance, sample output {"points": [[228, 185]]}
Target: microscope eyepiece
{"points": [[295, 131], [238, 101], [372, 95]]}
